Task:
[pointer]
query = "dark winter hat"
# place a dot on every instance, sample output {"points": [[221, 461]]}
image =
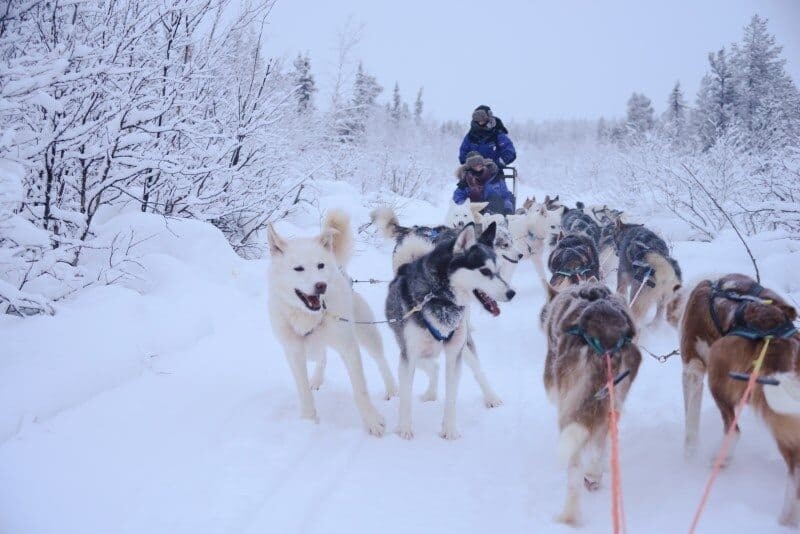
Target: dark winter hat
{"points": [[474, 159], [482, 114]]}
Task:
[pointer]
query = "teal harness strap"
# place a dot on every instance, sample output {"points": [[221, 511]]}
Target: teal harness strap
{"points": [[574, 272], [784, 331], [595, 343]]}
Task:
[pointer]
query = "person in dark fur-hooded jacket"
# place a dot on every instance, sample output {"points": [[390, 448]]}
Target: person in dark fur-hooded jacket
{"points": [[479, 180], [489, 137]]}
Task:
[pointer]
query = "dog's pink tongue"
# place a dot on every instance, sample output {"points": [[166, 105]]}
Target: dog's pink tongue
{"points": [[313, 300], [494, 309]]}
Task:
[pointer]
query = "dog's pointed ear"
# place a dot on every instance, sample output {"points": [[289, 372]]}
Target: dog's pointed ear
{"points": [[465, 239], [477, 207], [277, 245], [488, 235], [551, 292], [529, 202], [593, 280], [327, 237]]}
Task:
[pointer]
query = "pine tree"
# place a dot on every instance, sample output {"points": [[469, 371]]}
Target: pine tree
{"points": [[715, 101], [397, 105], [766, 100], [674, 118], [640, 114], [365, 91], [602, 130], [418, 106], [304, 83]]}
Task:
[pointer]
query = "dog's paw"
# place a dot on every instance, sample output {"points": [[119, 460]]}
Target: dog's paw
{"points": [[315, 383], [428, 396], [375, 424], [449, 433], [569, 518], [390, 392], [310, 415], [405, 433], [591, 482], [493, 401]]}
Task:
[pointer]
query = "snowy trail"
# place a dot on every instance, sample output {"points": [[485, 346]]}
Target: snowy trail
{"points": [[206, 438]]}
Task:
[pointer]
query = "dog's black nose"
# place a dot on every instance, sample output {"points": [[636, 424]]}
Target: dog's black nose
{"points": [[320, 288], [510, 294], [519, 256]]}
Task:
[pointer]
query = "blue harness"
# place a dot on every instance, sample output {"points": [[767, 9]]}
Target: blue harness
{"points": [[437, 335]]}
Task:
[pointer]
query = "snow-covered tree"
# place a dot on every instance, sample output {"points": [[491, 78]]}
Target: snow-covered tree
{"points": [[418, 106], [674, 119], [365, 93], [640, 115], [304, 83], [396, 107], [714, 108], [766, 101]]}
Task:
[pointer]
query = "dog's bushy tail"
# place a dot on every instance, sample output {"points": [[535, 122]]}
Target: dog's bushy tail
{"points": [[667, 273], [386, 221], [339, 221]]}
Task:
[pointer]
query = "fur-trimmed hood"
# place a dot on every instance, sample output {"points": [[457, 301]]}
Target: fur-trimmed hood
{"points": [[489, 170]]}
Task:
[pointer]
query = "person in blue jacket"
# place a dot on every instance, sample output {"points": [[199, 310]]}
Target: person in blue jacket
{"points": [[479, 180], [488, 136]]}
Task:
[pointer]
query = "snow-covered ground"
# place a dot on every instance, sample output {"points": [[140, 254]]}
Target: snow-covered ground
{"points": [[166, 405]]}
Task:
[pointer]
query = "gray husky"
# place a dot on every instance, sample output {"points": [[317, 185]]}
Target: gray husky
{"points": [[428, 310], [644, 260]]}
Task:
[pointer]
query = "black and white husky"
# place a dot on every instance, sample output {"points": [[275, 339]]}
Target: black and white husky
{"points": [[428, 309], [413, 242]]}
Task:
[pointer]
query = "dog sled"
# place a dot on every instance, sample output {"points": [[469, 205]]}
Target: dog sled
{"points": [[510, 173]]}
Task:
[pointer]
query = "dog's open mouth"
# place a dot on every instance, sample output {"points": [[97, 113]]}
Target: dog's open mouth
{"points": [[488, 302], [510, 260], [312, 302]]}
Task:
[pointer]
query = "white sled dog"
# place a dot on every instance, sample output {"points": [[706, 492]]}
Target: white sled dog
{"points": [[308, 293], [534, 227], [460, 215]]}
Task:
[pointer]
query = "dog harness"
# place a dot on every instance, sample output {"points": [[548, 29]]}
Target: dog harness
{"points": [[595, 344], [739, 326], [575, 274], [644, 271], [437, 335]]}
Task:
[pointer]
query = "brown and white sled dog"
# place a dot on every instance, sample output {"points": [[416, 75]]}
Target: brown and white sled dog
{"points": [[308, 292], [713, 310], [581, 323], [723, 331]]}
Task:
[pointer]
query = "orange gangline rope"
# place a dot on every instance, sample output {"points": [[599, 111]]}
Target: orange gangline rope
{"points": [[728, 441], [617, 510]]}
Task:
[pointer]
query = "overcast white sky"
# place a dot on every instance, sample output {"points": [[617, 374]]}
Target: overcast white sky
{"points": [[534, 59]]}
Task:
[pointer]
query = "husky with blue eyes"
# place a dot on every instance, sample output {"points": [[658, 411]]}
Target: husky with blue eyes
{"points": [[308, 294]]}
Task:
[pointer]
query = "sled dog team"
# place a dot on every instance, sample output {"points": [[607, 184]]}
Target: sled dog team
{"points": [[442, 273]]}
